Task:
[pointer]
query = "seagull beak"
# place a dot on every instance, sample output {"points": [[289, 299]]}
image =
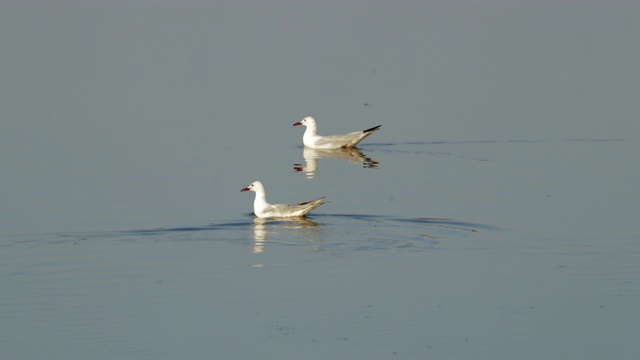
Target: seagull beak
{"points": [[245, 189], [298, 123]]}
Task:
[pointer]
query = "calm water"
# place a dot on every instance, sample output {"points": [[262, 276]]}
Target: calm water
{"points": [[494, 215]]}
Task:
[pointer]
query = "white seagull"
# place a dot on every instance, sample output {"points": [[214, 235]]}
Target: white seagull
{"points": [[262, 209], [313, 140]]}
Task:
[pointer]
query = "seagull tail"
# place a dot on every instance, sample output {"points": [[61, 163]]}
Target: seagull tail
{"points": [[372, 129], [317, 202]]}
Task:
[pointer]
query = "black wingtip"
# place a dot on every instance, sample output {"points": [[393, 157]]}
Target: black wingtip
{"points": [[372, 129]]}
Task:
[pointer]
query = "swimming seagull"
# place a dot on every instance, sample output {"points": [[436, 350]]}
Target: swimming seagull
{"points": [[262, 209], [313, 140]]}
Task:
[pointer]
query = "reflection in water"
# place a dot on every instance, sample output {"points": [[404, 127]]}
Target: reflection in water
{"points": [[259, 235], [262, 227], [311, 156]]}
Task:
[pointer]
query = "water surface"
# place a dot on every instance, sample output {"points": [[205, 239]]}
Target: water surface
{"points": [[493, 216]]}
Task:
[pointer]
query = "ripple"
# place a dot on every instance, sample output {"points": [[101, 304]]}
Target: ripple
{"points": [[356, 232], [333, 233]]}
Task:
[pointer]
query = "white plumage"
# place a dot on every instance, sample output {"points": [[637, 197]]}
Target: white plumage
{"points": [[313, 140], [262, 209]]}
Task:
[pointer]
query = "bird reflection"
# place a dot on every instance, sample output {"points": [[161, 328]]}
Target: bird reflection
{"points": [[259, 235], [311, 156], [262, 227]]}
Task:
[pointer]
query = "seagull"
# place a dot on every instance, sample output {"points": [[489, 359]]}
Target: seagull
{"points": [[313, 140], [262, 209]]}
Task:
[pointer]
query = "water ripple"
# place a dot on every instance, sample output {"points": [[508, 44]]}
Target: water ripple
{"points": [[321, 232]]}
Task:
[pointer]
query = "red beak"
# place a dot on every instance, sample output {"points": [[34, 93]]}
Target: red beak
{"points": [[245, 189], [298, 123]]}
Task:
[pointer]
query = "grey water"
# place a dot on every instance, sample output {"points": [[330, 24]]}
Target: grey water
{"points": [[493, 216]]}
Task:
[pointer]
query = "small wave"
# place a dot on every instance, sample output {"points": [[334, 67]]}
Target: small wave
{"points": [[333, 233]]}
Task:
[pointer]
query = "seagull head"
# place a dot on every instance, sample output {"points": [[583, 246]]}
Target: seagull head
{"points": [[308, 121], [254, 186]]}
